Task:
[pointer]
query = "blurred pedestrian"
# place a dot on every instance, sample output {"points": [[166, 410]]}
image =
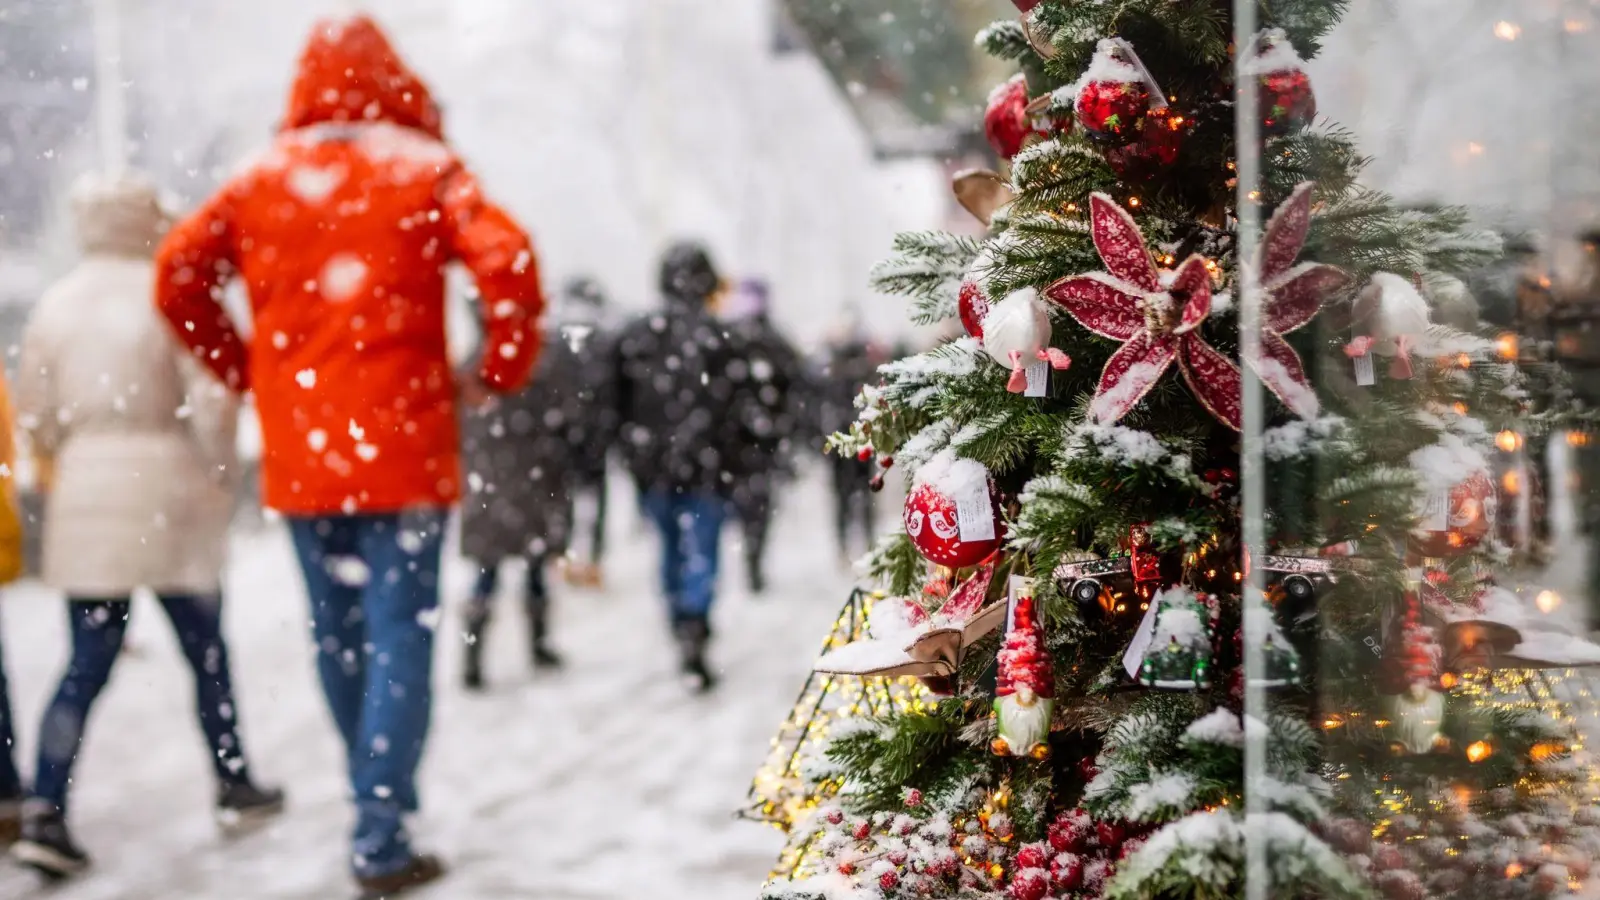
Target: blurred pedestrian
{"points": [[850, 362], [11, 566], [139, 439], [524, 459], [342, 233], [774, 395], [582, 319], [677, 380]]}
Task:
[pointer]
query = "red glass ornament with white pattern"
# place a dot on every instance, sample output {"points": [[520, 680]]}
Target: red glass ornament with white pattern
{"points": [[1113, 97], [973, 306], [944, 486], [1006, 121], [1466, 512]]}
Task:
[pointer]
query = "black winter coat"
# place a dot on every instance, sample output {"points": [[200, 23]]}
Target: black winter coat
{"points": [[773, 401], [522, 459], [680, 384]]}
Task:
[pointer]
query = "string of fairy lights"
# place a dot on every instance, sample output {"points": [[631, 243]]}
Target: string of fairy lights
{"points": [[781, 794]]}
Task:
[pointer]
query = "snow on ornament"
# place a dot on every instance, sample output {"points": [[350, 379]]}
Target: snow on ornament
{"points": [[1024, 681], [1286, 102], [1114, 95], [1156, 314], [1391, 317], [1016, 334], [953, 512]]}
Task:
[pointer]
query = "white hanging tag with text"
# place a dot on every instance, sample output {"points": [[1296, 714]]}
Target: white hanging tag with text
{"points": [[1365, 376], [1134, 657], [1038, 374], [1436, 514], [975, 514]]}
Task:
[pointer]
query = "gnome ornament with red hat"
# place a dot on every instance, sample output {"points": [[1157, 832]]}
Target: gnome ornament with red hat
{"points": [[1025, 682], [1411, 669]]}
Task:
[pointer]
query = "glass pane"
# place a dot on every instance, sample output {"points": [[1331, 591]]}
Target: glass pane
{"points": [[1414, 187]]}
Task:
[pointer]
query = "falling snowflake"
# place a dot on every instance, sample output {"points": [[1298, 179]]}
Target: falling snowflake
{"points": [[343, 277], [306, 378], [317, 439], [313, 184]]}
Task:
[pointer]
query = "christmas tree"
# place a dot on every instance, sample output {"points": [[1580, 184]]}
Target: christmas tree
{"points": [[1125, 691]]}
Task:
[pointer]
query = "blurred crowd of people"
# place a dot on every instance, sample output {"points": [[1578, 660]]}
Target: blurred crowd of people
{"points": [[129, 395]]}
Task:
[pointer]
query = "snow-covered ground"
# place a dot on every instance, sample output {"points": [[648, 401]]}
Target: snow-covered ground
{"points": [[593, 783]]}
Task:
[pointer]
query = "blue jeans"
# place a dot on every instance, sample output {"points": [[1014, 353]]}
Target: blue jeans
{"points": [[98, 628], [373, 582], [10, 780], [690, 524]]}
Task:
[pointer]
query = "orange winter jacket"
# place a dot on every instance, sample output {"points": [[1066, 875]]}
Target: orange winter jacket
{"points": [[342, 233]]}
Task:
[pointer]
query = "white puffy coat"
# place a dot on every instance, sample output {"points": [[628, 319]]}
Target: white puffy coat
{"points": [[140, 435]]}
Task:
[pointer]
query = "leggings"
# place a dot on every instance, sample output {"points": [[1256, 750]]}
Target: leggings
{"points": [[98, 628]]}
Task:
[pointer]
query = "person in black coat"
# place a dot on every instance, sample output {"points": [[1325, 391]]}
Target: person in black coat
{"points": [[521, 472], [583, 315], [773, 403], [679, 386], [850, 362]]}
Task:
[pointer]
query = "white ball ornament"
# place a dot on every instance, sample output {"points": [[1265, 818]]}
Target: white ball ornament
{"points": [[1016, 333]]}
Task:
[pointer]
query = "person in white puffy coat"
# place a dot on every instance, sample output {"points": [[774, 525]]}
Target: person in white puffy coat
{"points": [[137, 439]]}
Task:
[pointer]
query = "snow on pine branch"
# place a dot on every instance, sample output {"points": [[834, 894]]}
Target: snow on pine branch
{"points": [[1300, 437], [1129, 448], [924, 445], [928, 267]]}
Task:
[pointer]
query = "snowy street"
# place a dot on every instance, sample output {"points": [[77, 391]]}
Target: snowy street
{"points": [[589, 783]]}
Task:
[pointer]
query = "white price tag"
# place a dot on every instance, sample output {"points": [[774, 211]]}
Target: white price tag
{"points": [[1365, 376], [1134, 657], [1038, 374], [1436, 514], [975, 514]]}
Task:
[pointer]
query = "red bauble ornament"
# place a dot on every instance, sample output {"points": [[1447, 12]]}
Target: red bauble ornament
{"points": [[1033, 856], [945, 486], [974, 306], [1287, 102], [1113, 97], [1025, 5], [1006, 122], [1029, 884], [1282, 85], [1468, 517], [889, 880], [1157, 147], [1066, 872], [1070, 831], [1109, 834]]}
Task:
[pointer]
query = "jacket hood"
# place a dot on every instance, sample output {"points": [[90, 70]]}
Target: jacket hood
{"points": [[118, 215], [687, 276], [349, 72]]}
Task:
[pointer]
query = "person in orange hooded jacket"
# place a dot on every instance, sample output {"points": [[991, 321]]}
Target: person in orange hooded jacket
{"points": [[342, 233]]}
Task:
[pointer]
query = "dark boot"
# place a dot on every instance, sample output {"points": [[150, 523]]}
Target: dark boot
{"points": [[10, 822], [243, 807], [476, 629], [539, 633], [693, 636], [47, 846], [424, 868]]}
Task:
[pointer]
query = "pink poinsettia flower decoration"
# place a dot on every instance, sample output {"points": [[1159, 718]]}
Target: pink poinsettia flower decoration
{"points": [[1291, 297], [1157, 314]]}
